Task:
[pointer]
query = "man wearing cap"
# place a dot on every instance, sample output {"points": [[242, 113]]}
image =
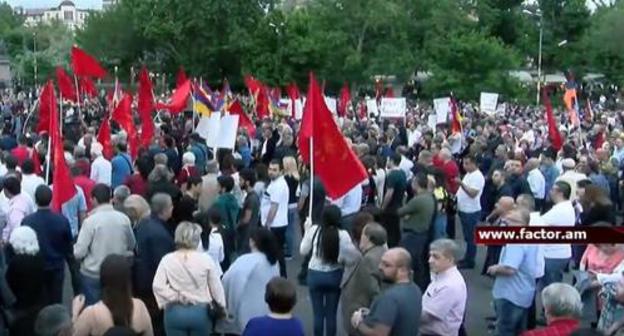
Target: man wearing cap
{"points": [[101, 169], [570, 176]]}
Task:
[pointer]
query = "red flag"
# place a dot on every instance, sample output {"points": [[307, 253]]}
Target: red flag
{"points": [[456, 126], [345, 98], [293, 93], [65, 85], [389, 93], [179, 99], [123, 116], [145, 107], [45, 99], [330, 148], [258, 91], [378, 89], [243, 119], [363, 109], [181, 77], [600, 140], [104, 138], [553, 132], [84, 64], [87, 87], [64, 188]]}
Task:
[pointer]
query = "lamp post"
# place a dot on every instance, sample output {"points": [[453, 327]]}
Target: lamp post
{"points": [[35, 56], [539, 53]]}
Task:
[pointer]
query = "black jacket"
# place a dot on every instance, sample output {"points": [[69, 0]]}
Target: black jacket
{"points": [[154, 240]]}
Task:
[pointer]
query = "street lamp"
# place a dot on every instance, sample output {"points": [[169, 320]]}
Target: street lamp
{"points": [[539, 55], [35, 55]]}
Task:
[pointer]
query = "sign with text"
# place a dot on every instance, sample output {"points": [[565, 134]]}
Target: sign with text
{"points": [[393, 107], [442, 108], [488, 102]]}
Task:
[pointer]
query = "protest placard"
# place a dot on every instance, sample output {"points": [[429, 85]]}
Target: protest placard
{"points": [[442, 108], [488, 102], [393, 108]]}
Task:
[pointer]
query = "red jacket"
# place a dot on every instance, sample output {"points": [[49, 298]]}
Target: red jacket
{"points": [[562, 327]]}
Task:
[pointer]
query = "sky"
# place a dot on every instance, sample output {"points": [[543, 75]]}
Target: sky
{"points": [[89, 4]]}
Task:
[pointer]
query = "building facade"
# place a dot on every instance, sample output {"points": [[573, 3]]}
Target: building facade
{"points": [[106, 4], [66, 12]]}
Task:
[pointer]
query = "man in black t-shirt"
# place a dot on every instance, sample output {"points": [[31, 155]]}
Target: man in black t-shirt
{"points": [[250, 213], [395, 186]]}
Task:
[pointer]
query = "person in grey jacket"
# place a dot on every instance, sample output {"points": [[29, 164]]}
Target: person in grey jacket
{"points": [[104, 232], [360, 286]]}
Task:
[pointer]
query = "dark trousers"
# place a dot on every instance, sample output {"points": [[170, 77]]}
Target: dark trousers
{"points": [[53, 285], [450, 224], [469, 222], [156, 314], [229, 247], [417, 244], [280, 236], [391, 222], [242, 239], [74, 273]]}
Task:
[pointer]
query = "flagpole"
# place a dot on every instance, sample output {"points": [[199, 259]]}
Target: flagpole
{"points": [[311, 197], [194, 111], [77, 97]]}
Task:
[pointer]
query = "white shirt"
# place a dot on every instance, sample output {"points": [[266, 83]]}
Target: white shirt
{"points": [[215, 249], [30, 183], [276, 192], [536, 220], [465, 203], [101, 171], [380, 181], [309, 243], [406, 165], [572, 178], [413, 137], [537, 183], [561, 214], [351, 202]]}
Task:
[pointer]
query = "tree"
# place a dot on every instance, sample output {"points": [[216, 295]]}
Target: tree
{"points": [[467, 63], [604, 48], [8, 19]]}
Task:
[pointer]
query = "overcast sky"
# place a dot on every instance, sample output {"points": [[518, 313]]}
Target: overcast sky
{"points": [[53, 3]]}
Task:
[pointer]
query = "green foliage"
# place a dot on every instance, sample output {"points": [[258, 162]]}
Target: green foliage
{"points": [[603, 41]]}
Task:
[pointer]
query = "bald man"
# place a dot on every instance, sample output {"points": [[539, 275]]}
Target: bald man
{"points": [[395, 311], [504, 205]]}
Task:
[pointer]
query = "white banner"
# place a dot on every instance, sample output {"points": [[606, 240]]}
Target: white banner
{"points": [[488, 102], [371, 108], [331, 104], [208, 128], [432, 121], [228, 130], [393, 107], [442, 108]]}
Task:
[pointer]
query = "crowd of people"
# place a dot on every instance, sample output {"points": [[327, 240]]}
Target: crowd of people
{"points": [[188, 240]]}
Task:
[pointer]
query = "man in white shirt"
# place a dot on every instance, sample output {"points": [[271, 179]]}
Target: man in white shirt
{"points": [[101, 169], [557, 256], [570, 176], [537, 182], [406, 164], [274, 209], [30, 180], [469, 207]]}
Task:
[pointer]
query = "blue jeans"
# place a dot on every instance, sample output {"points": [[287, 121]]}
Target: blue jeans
{"points": [[510, 319], [469, 223], [293, 221], [439, 226], [91, 289], [183, 320], [553, 271], [324, 293]]}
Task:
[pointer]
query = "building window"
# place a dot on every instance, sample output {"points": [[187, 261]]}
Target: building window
{"points": [[68, 16]]}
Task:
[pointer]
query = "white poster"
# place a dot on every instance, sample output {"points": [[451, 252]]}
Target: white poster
{"points": [[298, 108], [371, 107], [432, 121], [488, 102], [331, 104], [501, 109], [393, 107], [442, 108], [210, 128], [228, 130]]}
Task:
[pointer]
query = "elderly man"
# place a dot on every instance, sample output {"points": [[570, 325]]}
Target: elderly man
{"points": [[504, 205], [101, 169], [210, 186], [362, 285], [119, 197], [514, 284], [563, 309], [444, 301], [395, 311], [570, 176]]}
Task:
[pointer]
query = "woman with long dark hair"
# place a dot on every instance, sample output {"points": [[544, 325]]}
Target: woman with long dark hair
{"points": [[332, 249], [245, 282], [117, 307]]}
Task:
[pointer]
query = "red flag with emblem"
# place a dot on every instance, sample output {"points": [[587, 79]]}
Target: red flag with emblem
{"points": [[243, 119], [330, 147], [258, 91]]}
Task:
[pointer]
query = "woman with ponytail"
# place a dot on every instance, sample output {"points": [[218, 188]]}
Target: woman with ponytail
{"points": [[332, 249]]}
